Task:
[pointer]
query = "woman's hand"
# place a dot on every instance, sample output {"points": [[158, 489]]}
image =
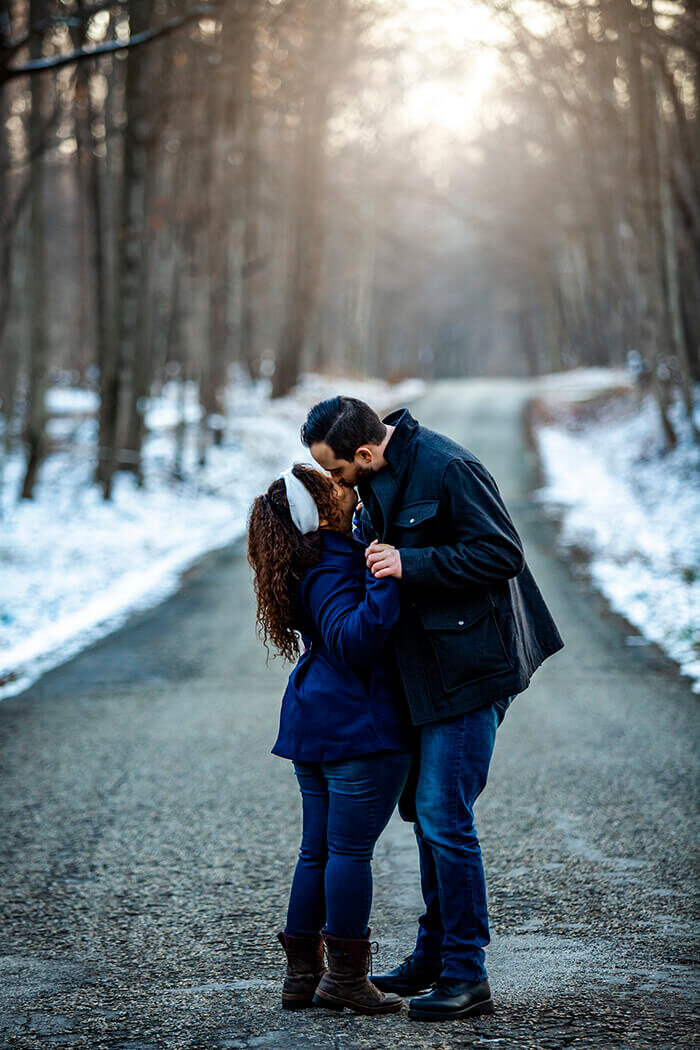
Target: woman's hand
{"points": [[383, 560]]}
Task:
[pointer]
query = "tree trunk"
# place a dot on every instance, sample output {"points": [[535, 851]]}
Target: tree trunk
{"points": [[647, 213], [106, 348], [251, 263], [672, 288], [132, 232], [35, 417], [307, 241]]}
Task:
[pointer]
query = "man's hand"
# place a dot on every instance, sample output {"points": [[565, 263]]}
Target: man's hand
{"points": [[383, 560]]}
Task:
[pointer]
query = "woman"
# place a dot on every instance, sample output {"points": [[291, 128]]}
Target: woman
{"points": [[342, 724]]}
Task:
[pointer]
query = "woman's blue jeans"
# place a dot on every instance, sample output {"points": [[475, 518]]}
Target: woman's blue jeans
{"points": [[454, 765], [346, 805]]}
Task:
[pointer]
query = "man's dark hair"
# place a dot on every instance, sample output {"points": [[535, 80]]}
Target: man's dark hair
{"points": [[344, 423]]}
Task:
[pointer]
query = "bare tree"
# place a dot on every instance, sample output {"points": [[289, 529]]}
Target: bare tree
{"points": [[35, 412]]}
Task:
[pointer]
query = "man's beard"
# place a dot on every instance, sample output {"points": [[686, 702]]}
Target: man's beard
{"points": [[363, 473]]}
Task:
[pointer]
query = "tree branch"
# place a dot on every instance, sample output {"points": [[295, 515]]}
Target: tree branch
{"points": [[43, 65], [73, 19]]}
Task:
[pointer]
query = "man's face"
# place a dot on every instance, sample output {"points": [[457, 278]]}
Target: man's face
{"points": [[344, 471]]}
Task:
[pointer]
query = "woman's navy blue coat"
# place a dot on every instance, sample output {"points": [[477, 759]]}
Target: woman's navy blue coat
{"points": [[343, 697]]}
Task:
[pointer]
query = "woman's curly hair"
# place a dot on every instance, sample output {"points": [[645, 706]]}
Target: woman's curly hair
{"points": [[279, 555]]}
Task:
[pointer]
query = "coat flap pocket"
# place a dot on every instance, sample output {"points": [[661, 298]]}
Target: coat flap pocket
{"points": [[453, 619], [416, 513]]}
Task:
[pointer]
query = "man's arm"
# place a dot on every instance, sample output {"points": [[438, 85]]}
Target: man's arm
{"points": [[486, 546]]}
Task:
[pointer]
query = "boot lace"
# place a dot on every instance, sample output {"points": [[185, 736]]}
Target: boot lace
{"points": [[373, 949]]}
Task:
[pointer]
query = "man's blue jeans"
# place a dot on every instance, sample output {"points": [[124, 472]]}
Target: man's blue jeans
{"points": [[346, 806], [454, 765]]}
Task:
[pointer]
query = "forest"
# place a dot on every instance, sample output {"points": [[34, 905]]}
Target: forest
{"points": [[211, 192]]}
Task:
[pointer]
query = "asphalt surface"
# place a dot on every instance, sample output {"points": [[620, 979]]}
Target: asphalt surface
{"points": [[148, 836]]}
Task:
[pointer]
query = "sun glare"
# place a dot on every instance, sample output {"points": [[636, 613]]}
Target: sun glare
{"points": [[453, 48]]}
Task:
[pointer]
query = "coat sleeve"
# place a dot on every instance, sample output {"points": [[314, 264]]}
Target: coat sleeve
{"points": [[362, 528], [484, 545], [354, 622]]}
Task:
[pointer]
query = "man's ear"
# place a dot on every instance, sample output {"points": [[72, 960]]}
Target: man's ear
{"points": [[365, 453]]}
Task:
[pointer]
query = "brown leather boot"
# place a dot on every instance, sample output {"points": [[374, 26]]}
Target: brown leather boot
{"points": [[304, 970], [345, 983]]}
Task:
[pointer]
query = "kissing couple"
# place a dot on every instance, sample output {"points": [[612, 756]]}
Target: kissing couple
{"points": [[420, 623]]}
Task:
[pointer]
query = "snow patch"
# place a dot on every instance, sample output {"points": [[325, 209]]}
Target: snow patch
{"points": [[635, 508]]}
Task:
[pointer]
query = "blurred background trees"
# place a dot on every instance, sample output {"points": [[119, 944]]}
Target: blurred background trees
{"points": [[385, 187]]}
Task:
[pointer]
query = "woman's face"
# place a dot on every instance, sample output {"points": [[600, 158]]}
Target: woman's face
{"points": [[345, 499]]}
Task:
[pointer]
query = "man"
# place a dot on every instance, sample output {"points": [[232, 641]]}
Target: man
{"points": [[473, 629]]}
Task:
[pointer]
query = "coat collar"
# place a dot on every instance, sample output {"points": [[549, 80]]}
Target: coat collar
{"points": [[405, 428], [385, 483]]}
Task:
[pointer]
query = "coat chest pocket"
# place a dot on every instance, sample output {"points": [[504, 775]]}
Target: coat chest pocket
{"points": [[467, 643], [413, 521]]}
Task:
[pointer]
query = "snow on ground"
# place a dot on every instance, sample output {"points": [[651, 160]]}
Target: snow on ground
{"points": [[636, 510], [580, 384], [73, 567]]}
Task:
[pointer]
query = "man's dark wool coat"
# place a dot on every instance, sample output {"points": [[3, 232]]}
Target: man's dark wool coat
{"points": [[473, 626]]}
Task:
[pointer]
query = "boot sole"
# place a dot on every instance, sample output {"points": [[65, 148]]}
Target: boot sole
{"points": [[348, 1004], [486, 1006], [403, 990]]}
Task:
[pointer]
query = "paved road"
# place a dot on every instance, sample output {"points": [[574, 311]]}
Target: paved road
{"points": [[148, 836]]}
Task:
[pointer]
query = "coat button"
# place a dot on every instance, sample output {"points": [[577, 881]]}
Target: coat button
{"points": [[460, 623], [411, 521]]}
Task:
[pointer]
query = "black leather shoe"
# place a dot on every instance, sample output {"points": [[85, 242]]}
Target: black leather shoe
{"points": [[408, 978], [452, 999]]}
